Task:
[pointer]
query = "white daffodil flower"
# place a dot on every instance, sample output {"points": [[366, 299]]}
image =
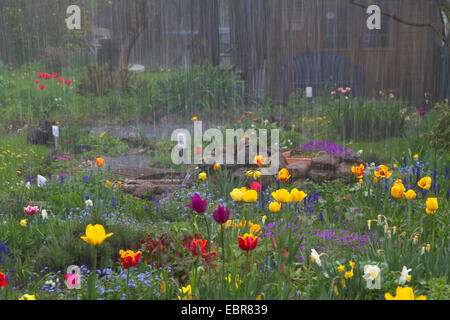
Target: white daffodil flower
{"points": [[404, 276], [44, 214], [315, 257], [372, 276], [89, 203]]}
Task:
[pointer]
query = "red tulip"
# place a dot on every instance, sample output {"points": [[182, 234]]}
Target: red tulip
{"points": [[61, 79], [129, 258], [248, 242], [3, 281], [68, 81], [41, 87], [40, 74], [36, 80], [55, 75]]}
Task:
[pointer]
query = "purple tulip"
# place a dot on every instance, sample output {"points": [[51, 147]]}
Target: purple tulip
{"points": [[422, 111], [221, 215], [198, 204]]}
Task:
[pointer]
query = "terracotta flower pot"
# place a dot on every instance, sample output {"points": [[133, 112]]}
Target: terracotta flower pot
{"points": [[289, 159]]}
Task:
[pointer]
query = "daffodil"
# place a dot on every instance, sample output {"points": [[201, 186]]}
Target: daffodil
{"points": [[27, 296], [341, 268], [404, 276], [315, 257], [372, 276], [216, 167], [23, 222], [95, 235]]}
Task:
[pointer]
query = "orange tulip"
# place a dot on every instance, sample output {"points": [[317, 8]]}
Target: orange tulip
{"points": [[99, 162]]}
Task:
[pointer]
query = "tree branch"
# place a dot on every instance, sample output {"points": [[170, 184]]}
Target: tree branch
{"points": [[409, 23]]}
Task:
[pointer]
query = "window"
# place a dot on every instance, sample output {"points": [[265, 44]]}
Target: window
{"points": [[336, 29]]}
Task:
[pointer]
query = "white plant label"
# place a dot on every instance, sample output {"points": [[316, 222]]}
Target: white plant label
{"points": [[181, 141], [55, 130]]}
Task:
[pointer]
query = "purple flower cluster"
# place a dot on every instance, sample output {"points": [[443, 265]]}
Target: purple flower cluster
{"points": [[64, 157], [322, 240], [323, 146]]}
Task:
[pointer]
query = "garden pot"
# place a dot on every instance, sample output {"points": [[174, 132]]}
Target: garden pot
{"points": [[289, 159]]}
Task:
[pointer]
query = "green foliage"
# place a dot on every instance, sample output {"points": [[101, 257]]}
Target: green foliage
{"points": [[438, 133], [368, 120]]}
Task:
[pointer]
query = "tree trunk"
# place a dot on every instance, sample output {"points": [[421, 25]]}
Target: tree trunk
{"points": [[138, 23]]}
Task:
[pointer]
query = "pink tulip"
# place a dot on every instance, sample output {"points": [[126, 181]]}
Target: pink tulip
{"points": [[198, 204], [221, 215], [333, 93], [31, 210]]}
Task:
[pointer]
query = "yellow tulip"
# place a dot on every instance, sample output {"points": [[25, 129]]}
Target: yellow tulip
{"points": [[257, 175], [274, 206], [27, 296], [298, 196], [424, 183], [237, 194], [23, 222], [186, 292], [202, 176], [432, 205], [95, 235], [406, 293], [410, 194], [250, 196], [282, 195], [398, 190]]}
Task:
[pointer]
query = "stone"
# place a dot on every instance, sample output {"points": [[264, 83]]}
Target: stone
{"points": [[317, 175], [344, 171], [325, 162], [349, 155], [298, 169]]}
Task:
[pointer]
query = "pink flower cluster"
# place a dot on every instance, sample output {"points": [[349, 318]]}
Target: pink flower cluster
{"points": [[341, 91]]}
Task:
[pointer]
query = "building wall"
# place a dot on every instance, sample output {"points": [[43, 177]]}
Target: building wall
{"points": [[403, 64]]}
